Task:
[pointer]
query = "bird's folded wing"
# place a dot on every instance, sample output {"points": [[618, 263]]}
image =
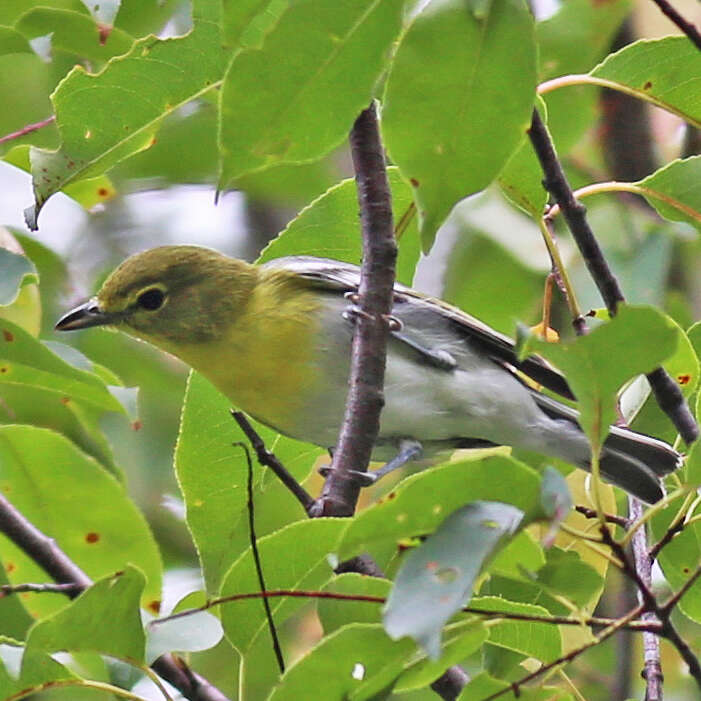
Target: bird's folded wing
{"points": [[418, 312]]}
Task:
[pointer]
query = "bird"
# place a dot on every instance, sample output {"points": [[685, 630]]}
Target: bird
{"points": [[276, 338]]}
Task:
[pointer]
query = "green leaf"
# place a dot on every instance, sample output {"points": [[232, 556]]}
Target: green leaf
{"points": [[106, 117], [26, 361], [12, 42], [14, 617], [26, 669], [482, 686], [598, 364], [213, 474], [193, 633], [71, 498], [521, 553], [422, 501], [565, 574], [675, 190], [105, 618], [460, 640], [665, 72], [333, 614], [336, 214], [246, 22], [458, 101], [73, 32], [16, 271], [681, 556], [355, 662], [314, 74], [295, 557], [531, 638], [436, 579]]}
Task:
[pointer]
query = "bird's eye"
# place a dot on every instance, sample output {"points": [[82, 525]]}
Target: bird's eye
{"points": [[151, 299]]}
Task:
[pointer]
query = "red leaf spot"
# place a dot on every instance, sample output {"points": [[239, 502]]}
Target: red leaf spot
{"points": [[8, 335], [414, 182], [136, 425], [103, 31], [154, 606], [65, 400], [10, 567], [3, 369], [686, 570], [391, 496], [683, 379], [647, 85], [92, 537], [102, 192]]}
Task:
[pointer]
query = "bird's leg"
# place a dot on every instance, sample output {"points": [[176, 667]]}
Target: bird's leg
{"points": [[409, 450], [433, 356]]}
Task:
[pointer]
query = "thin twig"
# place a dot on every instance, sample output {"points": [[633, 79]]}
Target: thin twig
{"points": [[46, 553], [687, 27], [68, 589], [610, 518], [256, 559], [666, 391], [267, 458], [28, 129]]}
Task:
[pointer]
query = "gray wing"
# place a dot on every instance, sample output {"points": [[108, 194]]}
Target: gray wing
{"points": [[419, 313]]}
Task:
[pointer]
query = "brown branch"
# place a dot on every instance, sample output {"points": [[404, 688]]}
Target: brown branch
{"points": [[28, 129], [361, 422], [46, 553], [610, 518], [267, 458], [666, 391], [595, 622], [687, 27]]}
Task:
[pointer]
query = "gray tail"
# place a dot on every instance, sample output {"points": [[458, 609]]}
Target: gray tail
{"points": [[633, 461]]}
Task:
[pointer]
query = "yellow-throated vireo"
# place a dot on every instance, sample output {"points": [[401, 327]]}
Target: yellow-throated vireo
{"points": [[275, 339]]}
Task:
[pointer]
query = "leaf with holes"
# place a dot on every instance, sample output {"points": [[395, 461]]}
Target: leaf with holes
{"points": [[436, 579]]}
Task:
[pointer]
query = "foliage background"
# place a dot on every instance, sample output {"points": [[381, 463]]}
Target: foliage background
{"points": [[166, 194]]}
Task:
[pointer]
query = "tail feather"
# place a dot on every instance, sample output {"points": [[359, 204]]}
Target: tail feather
{"points": [[633, 461]]}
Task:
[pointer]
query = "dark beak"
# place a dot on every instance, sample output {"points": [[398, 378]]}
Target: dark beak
{"points": [[83, 317]]}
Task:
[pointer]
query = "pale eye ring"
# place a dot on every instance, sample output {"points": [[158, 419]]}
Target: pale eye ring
{"points": [[151, 299]]}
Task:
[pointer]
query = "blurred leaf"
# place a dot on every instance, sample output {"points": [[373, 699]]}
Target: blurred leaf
{"points": [[422, 501], [680, 181], [499, 290], [321, 92], [661, 71], [483, 686], [336, 214], [106, 117], [14, 618], [104, 618], [539, 640], [295, 557], [577, 35], [12, 42], [193, 633], [334, 614], [436, 579], [680, 557], [446, 118], [22, 669], [521, 553], [564, 574], [356, 662], [77, 503], [459, 641], [16, 271], [596, 369], [241, 18], [212, 474], [74, 32]]}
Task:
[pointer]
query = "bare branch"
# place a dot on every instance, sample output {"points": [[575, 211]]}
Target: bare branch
{"points": [[687, 27], [28, 129]]}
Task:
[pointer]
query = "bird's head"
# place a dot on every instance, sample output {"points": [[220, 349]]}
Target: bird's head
{"points": [[170, 295]]}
